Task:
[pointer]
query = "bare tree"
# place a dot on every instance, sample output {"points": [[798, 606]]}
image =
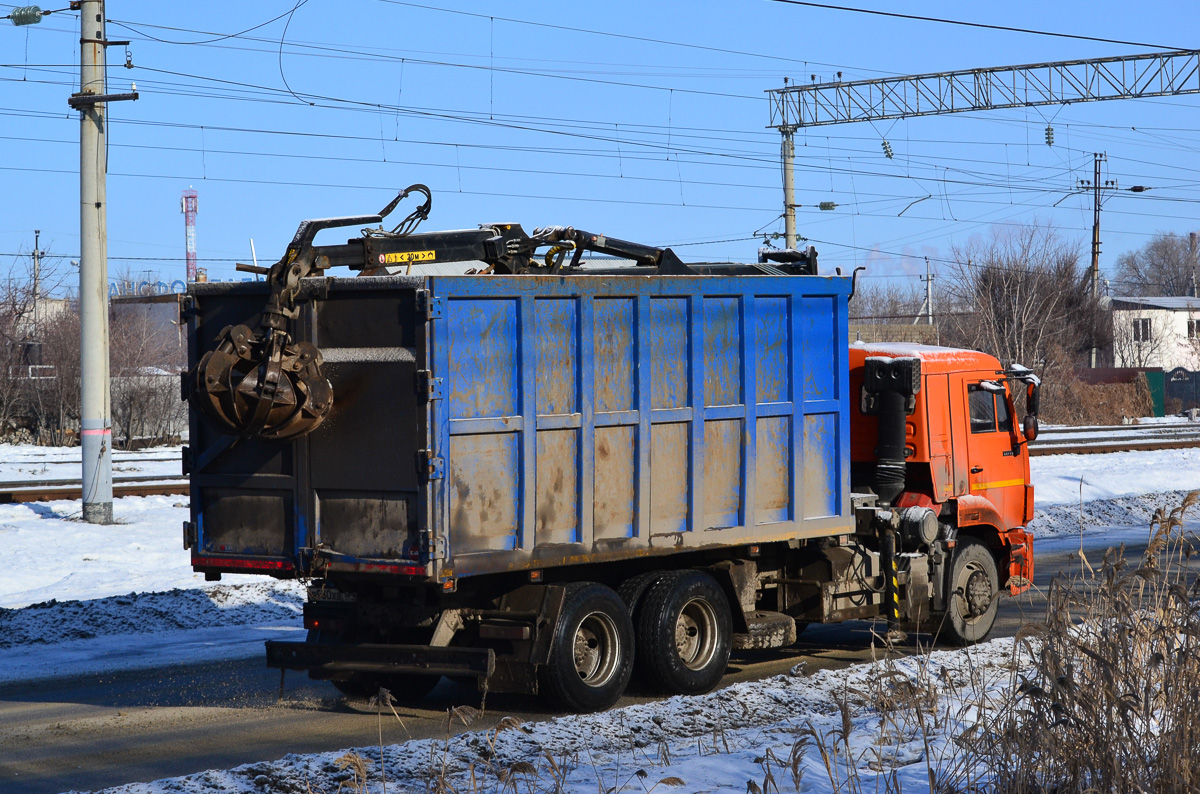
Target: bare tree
{"points": [[887, 303], [145, 361], [1022, 296], [1165, 266], [53, 399]]}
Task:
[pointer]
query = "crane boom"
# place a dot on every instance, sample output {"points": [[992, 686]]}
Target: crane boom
{"points": [[1057, 83]]}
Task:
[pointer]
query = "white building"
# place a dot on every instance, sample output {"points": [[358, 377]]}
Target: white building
{"points": [[1156, 332]]}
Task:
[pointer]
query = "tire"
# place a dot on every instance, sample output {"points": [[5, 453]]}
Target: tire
{"points": [[684, 633], [634, 588], [591, 655], [405, 688], [973, 598]]}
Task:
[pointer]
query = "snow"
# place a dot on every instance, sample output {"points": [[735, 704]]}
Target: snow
{"points": [[20, 462], [707, 743], [1056, 478], [73, 596], [50, 553]]}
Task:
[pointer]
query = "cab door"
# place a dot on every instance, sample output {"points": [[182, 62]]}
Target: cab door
{"points": [[996, 466]]}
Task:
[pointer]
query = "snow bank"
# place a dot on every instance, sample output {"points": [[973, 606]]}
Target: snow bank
{"points": [[708, 743], [1113, 474], [50, 554]]}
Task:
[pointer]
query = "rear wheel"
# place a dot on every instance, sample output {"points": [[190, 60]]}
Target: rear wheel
{"points": [[591, 655], [405, 688], [684, 633], [974, 593]]}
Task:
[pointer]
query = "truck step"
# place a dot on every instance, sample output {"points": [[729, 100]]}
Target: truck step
{"points": [[767, 630]]}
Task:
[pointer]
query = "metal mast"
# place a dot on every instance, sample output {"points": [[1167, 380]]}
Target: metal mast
{"points": [[188, 206], [798, 106]]}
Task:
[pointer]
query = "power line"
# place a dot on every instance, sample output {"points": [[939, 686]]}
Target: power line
{"points": [[1008, 28]]}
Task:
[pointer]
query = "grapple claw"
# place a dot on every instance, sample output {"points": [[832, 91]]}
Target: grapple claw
{"points": [[269, 388]]}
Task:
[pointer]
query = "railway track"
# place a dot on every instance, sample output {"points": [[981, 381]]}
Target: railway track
{"points": [[1086, 440], [133, 485], [1093, 439]]}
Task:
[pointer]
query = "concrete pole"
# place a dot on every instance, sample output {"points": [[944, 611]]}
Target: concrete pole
{"points": [[928, 292], [1095, 240], [37, 279], [789, 189], [1192, 256], [95, 410]]}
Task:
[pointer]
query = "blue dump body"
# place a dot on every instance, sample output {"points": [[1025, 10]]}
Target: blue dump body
{"points": [[568, 420]]}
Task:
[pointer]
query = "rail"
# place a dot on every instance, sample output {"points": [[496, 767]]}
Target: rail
{"points": [[1093, 439], [133, 485]]}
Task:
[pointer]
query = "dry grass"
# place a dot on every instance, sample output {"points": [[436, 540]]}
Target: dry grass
{"points": [[1112, 702], [1069, 401], [1102, 696]]}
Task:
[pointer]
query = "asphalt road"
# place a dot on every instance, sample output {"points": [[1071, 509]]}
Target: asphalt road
{"points": [[96, 731]]}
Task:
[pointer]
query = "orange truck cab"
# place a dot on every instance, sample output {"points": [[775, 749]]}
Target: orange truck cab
{"points": [[966, 457]]}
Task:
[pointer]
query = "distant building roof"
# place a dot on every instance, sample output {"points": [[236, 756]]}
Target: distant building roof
{"points": [[1170, 303]]}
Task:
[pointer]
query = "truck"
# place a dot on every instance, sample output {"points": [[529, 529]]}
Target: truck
{"points": [[544, 477]]}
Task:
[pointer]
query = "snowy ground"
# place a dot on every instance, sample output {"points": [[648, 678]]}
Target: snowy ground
{"points": [[74, 596], [23, 462], [708, 743]]}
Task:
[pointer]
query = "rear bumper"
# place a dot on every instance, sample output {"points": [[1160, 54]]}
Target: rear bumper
{"points": [[332, 661]]}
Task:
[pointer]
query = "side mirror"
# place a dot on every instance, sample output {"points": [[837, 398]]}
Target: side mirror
{"points": [[1030, 427], [1033, 394]]}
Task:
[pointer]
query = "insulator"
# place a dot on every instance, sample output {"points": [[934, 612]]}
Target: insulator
{"points": [[826, 206], [1049, 135], [887, 149], [26, 15]]}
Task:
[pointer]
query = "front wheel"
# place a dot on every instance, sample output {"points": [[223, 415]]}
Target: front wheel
{"points": [[974, 594], [685, 632], [591, 655]]}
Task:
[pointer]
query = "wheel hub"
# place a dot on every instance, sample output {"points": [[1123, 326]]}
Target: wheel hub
{"points": [[596, 649], [695, 634], [979, 594]]}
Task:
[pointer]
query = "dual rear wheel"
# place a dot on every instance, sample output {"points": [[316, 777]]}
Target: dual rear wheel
{"points": [[675, 627]]}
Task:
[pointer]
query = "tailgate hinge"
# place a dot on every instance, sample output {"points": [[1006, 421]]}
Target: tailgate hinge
{"points": [[428, 387], [429, 466], [429, 305]]}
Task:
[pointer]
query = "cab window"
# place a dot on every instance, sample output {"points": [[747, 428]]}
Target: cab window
{"points": [[1003, 417], [983, 409]]}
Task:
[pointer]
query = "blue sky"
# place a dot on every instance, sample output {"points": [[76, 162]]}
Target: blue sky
{"points": [[528, 112]]}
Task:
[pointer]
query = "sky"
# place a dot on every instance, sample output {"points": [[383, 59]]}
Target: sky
{"points": [[643, 121]]}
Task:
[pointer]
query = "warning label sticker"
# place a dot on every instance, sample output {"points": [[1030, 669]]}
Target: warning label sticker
{"points": [[406, 257]]}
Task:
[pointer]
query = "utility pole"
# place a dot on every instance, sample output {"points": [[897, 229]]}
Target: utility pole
{"points": [[789, 189], [1096, 187], [928, 292], [37, 278], [1192, 255], [95, 409]]}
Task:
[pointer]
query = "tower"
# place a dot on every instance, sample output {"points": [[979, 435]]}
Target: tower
{"points": [[187, 205]]}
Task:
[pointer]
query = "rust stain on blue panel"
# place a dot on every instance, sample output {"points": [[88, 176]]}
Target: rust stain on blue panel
{"points": [[556, 322], [669, 476], [773, 473], [484, 492], [668, 352], [722, 472], [557, 514], [773, 363], [722, 354], [822, 476], [483, 358], [615, 491], [818, 338], [615, 335]]}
